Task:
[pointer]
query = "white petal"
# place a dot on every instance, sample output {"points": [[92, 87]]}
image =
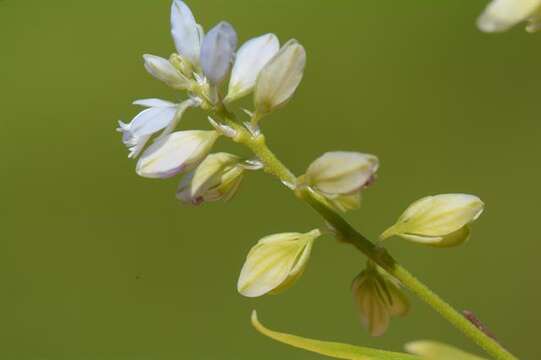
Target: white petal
{"points": [[180, 151], [150, 120], [185, 31], [163, 70], [280, 77], [180, 109], [500, 15], [252, 56], [217, 51], [153, 103]]}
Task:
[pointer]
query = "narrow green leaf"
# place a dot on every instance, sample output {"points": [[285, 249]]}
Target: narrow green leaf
{"points": [[432, 350], [331, 349]]}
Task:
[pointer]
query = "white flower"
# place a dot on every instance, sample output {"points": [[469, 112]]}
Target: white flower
{"points": [[252, 56], [217, 51], [159, 114], [275, 263], [163, 70], [378, 298], [217, 177], [341, 172], [178, 152], [440, 220], [187, 34], [280, 77], [500, 15]]}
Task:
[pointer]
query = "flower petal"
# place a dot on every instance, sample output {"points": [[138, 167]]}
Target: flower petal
{"points": [[144, 124], [217, 52], [280, 77], [185, 31], [153, 103], [163, 70], [500, 15], [180, 151], [341, 172], [274, 260], [437, 217], [252, 56]]}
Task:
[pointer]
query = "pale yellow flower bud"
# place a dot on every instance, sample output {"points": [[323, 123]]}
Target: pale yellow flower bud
{"points": [[432, 350], [500, 15], [217, 177], [280, 77], [440, 220], [275, 263], [378, 298], [341, 172]]}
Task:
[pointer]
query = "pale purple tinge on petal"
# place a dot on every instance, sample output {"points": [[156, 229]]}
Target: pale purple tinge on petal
{"points": [[179, 152], [186, 32], [252, 56], [217, 52]]}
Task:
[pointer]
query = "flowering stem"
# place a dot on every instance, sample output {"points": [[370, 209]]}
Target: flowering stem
{"points": [[380, 256]]}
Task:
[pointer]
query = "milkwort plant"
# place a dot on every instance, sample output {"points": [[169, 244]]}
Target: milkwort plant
{"points": [[214, 74]]}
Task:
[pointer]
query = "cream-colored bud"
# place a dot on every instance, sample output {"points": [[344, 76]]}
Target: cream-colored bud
{"points": [[440, 220], [341, 172], [280, 77], [500, 15], [217, 177], [275, 263], [378, 298], [432, 350]]}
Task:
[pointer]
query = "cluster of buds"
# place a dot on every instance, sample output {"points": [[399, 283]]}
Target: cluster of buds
{"points": [[200, 67]]}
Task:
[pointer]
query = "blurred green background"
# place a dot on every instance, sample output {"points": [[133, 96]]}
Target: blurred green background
{"points": [[98, 263]]}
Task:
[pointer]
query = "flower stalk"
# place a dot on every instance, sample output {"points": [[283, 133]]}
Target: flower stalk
{"points": [[377, 254]]}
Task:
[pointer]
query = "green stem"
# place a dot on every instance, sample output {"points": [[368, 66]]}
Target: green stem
{"points": [[256, 143]]}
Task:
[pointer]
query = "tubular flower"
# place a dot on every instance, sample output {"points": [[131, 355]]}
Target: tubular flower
{"points": [[500, 15], [275, 263], [377, 298], [217, 177], [440, 220]]}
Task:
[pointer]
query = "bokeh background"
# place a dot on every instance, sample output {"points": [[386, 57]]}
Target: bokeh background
{"points": [[97, 263]]}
